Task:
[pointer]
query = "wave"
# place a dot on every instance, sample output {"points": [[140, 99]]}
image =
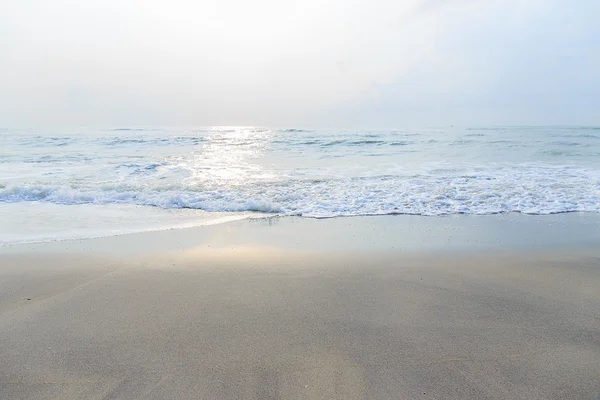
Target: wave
{"points": [[361, 142], [588, 136], [334, 142], [347, 142], [294, 131], [524, 189]]}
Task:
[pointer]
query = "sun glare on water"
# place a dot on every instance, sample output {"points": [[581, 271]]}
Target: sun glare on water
{"points": [[229, 157]]}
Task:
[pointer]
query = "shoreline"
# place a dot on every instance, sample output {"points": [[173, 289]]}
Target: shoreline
{"points": [[34, 223], [408, 233]]}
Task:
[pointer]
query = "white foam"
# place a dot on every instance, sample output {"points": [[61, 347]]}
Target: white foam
{"points": [[528, 188], [27, 222]]}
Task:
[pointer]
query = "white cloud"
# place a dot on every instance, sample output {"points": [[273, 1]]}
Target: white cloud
{"points": [[323, 63]]}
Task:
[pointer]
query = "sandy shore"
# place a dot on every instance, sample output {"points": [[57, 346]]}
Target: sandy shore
{"points": [[265, 310]]}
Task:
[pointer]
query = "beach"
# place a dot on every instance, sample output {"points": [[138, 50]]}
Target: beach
{"points": [[463, 307], [233, 200]]}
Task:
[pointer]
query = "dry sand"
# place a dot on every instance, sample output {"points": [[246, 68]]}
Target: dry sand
{"points": [[256, 321]]}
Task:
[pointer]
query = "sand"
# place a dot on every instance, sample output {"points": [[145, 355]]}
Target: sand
{"points": [[237, 315]]}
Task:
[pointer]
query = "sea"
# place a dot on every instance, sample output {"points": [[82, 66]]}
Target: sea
{"points": [[87, 182]]}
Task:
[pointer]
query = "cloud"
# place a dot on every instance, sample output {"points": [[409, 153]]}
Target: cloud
{"points": [[305, 63], [508, 63]]}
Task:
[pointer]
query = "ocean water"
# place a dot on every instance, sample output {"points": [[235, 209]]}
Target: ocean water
{"points": [[90, 182]]}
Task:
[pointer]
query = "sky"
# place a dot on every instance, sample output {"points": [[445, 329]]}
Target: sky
{"points": [[311, 63]]}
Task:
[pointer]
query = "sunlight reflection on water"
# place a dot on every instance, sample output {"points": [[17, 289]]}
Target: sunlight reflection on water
{"points": [[229, 157]]}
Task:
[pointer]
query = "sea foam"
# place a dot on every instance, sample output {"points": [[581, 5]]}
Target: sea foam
{"points": [[528, 189]]}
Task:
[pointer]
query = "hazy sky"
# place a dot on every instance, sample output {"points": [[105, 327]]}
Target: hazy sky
{"points": [[315, 63]]}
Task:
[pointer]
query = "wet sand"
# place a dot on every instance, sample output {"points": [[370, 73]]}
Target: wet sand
{"points": [[229, 313]]}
